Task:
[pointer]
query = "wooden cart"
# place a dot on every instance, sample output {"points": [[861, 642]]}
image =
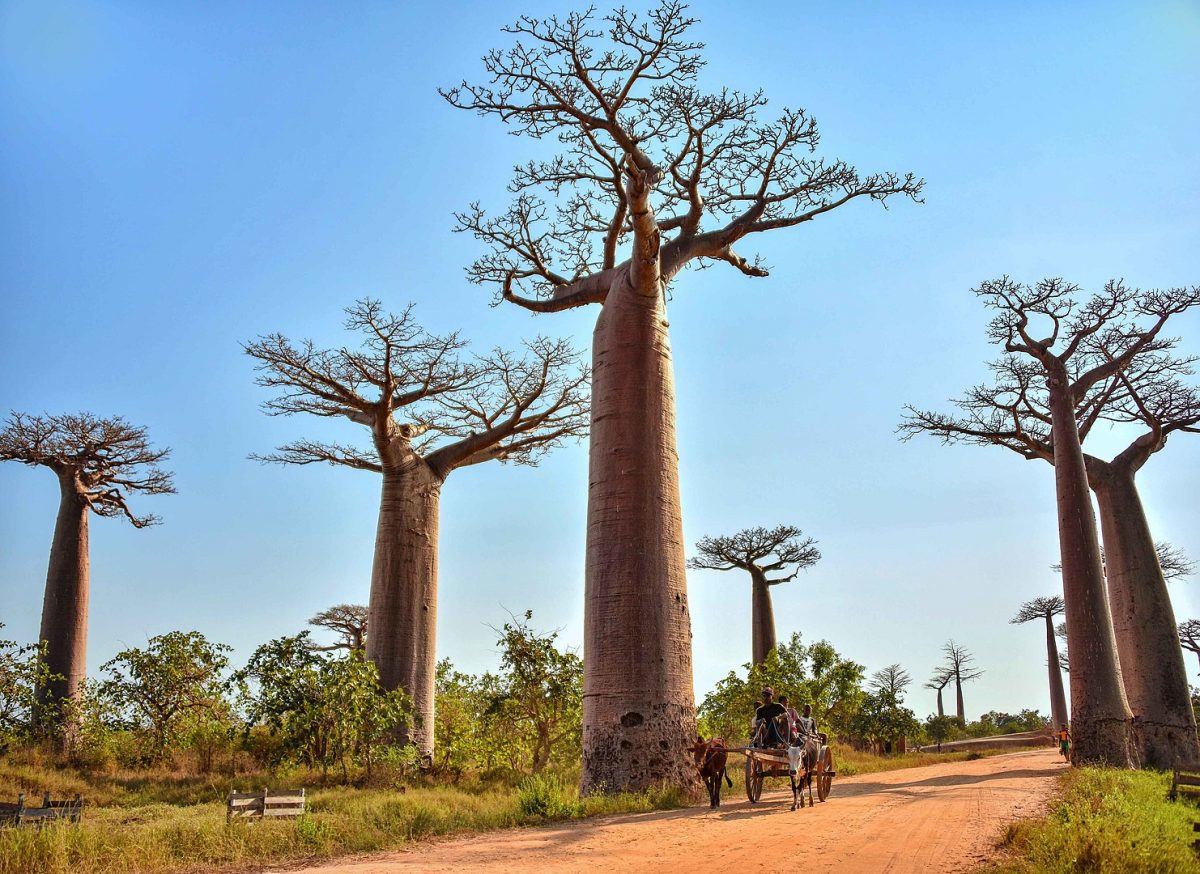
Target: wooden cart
{"points": [[764, 763]]}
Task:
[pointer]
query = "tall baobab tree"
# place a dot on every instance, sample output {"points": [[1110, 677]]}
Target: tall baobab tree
{"points": [[1189, 636], [653, 176], [893, 679], [348, 621], [941, 677], [1147, 393], [100, 463], [959, 665], [771, 556], [1046, 609], [429, 412], [1076, 349]]}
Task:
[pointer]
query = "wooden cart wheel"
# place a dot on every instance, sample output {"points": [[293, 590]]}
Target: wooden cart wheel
{"points": [[825, 775], [754, 779]]}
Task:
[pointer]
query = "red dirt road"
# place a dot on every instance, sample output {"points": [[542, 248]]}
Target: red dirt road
{"points": [[937, 818]]}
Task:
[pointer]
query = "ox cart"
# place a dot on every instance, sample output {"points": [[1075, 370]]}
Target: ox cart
{"points": [[810, 765]]}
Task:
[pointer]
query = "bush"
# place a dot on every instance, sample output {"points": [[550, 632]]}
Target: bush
{"points": [[548, 797], [1107, 820]]}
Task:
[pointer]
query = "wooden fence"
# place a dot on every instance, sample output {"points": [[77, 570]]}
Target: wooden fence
{"points": [[18, 814], [265, 804]]}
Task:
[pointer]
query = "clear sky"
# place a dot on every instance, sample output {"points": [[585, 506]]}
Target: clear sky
{"points": [[178, 178]]}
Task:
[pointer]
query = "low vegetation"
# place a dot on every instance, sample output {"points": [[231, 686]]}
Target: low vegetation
{"points": [[1106, 820]]}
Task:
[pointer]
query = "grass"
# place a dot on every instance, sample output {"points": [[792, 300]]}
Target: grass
{"points": [[1107, 820]]}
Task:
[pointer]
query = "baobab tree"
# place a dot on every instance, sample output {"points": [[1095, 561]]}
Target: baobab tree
{"points": [[893, 679], [1189, 636], [653, 176], [1074, 348], [1064, 657], [1147, 393], [771, 556], [100, 463], [348, 621], [1046, 609], [429, 411], [959, 665], [941, 677]]}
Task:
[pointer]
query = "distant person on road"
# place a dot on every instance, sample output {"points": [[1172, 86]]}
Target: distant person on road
{"points": [[1064, 742]]}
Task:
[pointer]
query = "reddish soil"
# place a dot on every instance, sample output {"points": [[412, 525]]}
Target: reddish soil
{"points": [[942, 818]]}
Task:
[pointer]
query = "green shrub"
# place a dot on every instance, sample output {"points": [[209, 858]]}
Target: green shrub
{"points": [[548, 797], [1107, 820]]}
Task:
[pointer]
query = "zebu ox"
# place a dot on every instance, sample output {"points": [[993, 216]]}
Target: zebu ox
{"points": [[802, 762], [710, 762]]}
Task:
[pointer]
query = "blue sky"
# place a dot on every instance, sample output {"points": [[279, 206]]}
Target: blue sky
{"points": [[178, 178]]}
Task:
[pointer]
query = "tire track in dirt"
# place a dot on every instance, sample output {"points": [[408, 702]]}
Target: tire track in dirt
{"points": [[945, 818]]}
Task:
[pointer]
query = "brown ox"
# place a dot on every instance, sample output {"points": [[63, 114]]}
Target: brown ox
{"points": [[710, 762]]}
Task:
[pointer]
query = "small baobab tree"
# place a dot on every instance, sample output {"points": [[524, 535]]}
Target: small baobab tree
{"points": [[653, 176], [1078, 351], [429, 411], [1046, 609], [100, 463], [771, 556], [893, 679], [960, 664], [348, 621], [940, 679], [1189, 636]]}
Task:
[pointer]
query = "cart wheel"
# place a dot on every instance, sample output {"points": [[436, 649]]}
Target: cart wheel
{"points": [[754, 779], [824, 775]]}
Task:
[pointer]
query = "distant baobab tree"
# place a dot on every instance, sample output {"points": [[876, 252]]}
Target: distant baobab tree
{"points": [[1064, 659], [1046, 609], [653, 176], [941, 677], [893, 679], [1079, 352], [1189, 636], [959, 664], [429, 412], [349, 621], [771, 556], [100, 463]]}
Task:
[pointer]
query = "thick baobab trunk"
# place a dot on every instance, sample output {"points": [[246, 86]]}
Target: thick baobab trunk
{"points": [[1059, 715], [402, 615], [65, 605], [638, 708], [762, 617], [1102, 724], [941, 712], [1156, 682], [958, 700]]}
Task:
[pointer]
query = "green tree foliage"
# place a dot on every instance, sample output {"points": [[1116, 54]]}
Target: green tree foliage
{"points": [[940, 728], [541, 688], [883, 719], [317, 708], [814, 674], [22, 671], [162, 690], [998, 722]]}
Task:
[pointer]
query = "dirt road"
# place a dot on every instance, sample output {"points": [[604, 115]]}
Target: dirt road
{"points": [[938, 818]]}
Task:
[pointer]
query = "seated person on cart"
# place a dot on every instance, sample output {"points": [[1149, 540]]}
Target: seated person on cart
{"points": [[768, 732]]}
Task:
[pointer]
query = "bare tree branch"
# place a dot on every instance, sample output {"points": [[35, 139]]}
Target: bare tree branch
{"points": [[105, 459]]}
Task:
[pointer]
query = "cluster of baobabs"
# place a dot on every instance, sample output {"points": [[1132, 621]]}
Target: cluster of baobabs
{"points": [[654, 175]]}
